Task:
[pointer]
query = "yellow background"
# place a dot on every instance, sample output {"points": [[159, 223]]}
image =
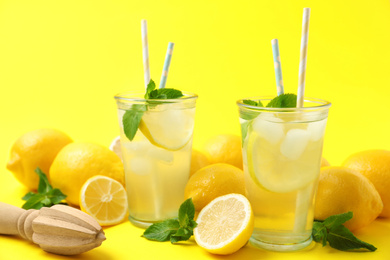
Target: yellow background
{"points": [[61, 63]]}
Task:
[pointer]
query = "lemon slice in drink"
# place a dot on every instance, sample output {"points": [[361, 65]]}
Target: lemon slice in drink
{"points": [[225, 224], [276, 170], [104, 199], [170, 129]]}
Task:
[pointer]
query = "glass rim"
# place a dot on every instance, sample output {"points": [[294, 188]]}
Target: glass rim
{"points": [[322, 104], [135, 96]]}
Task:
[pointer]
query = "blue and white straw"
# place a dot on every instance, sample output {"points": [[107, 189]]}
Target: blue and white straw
{"points": [[167, 63], [277, 67], [145, 51]]}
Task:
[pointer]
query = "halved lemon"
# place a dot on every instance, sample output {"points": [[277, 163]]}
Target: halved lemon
{"points": [[104, 199], [225, 224], [170, 129]]}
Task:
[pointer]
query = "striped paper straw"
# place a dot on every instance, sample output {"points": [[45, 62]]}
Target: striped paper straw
{"points": [[302, 60], [277, 67], [167, 63], [145, 51]]}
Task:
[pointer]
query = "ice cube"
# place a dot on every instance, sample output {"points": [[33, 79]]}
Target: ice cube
{"points": [[160, 154], [294, 144], [316, 130], [141, 165], [269, 127]]}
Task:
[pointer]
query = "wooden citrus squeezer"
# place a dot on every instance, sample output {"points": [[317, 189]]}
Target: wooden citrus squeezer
{"points": [[59, 229]]}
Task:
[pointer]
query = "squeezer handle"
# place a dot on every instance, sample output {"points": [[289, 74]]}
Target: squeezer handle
{"points": [[9, 216]]}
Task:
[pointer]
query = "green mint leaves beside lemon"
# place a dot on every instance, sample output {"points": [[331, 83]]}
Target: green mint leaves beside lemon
{"points": [[174, 230], [332, 231], [132, 117], [46, 195]]}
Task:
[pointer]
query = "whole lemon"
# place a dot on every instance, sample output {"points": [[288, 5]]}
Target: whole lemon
{"points": [[225, 148], [37, 148], [341, 190], [213, 181], [77, 162], [198, 161], [375, 165]]}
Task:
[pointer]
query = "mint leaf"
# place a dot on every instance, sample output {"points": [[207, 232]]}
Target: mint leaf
{"points": [[339, 237], [342, 239], [253, 103], [320, 233], [175, 230], [283, 101], [162, 231], [56, 196], [165, 93], [244, 131], [34, 202], [186, 212], [151, 86], [44, 185], [337, 220], [28, 195], [182, 234], [131, 120], [46, 196]]}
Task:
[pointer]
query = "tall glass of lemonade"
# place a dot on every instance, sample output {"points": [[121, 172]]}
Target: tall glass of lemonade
{"points": [[282, 149], [157, 159]]}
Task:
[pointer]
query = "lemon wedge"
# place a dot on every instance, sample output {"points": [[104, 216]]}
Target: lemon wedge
{"points": [[170, 129], [273, 170]]}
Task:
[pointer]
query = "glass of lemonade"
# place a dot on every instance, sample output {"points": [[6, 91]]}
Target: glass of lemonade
{"points": [[157, 160], [282, 149]]}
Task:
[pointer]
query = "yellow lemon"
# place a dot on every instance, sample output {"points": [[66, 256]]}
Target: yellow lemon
{"points": [[224, 148], [375, 165], [225, 224], [34, 149], [198, 161], [324, 162], [77, 162], [213, 181], [104, 199], [341, 190]]}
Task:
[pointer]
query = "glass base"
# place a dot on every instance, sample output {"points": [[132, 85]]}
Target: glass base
{"points": [[140, 224], [280, 247]]}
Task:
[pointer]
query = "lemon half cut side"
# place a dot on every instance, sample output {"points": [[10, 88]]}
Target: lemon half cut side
{"points": [[105, 199], [225, 224]]}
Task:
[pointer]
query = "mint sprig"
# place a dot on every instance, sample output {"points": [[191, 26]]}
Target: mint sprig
{"points": [[253, 103], [132, 117], [283, 101], [46, 195], [332, 231], [174, 230]]}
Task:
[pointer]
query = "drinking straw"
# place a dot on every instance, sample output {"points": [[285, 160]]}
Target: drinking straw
{"points": [[303, 196], [167, 63], [145, 51], [277, 66], [302, 60]]}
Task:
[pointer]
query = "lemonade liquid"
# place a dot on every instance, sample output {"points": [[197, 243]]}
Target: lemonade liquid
{"points": [[282, 156], [157, 161]]}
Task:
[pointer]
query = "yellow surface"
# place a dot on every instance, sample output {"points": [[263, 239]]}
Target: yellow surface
{"points": [[61, 62]]}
